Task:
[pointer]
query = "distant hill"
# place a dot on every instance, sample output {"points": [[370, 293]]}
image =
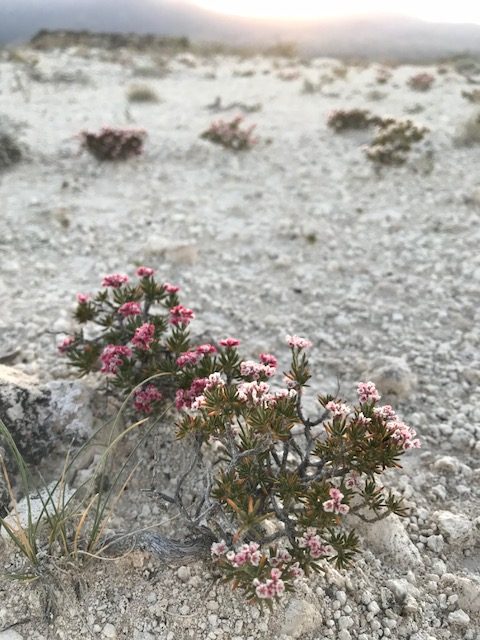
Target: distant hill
{"points": [[367, 37]]}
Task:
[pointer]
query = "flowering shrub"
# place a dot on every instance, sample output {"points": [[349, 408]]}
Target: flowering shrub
{"points": [[383, 75], [281, 485], [231, 135], [10, 149], [394, 140], [421, 81], [114, 144], [341, 119]]}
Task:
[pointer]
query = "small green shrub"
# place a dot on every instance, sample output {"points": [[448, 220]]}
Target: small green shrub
{"points": [[342, 120], [393, 141], [231, 135], [141, 93], [114, 143]]}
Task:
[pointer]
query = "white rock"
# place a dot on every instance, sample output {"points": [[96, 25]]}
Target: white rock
{"points": [[183, 573], [468, 594], [42, 504], [389, 538], [456, 528], [400, 588], [109, 631], [10, 634], [301, 618], [459, 618], [392, 376], [446, 464], [39, 415]]}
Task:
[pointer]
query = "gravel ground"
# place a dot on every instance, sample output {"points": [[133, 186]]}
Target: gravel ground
{"points": [[380, 269]]}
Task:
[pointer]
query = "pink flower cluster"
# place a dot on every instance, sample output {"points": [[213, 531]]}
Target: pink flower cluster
{"points": [[114, 143], [312, 541], [192, 398], [338, 409], [247, 554], [66, 343], [421, 81], [144, 336], [251, 369], [258, 393], [192, 357], [145, 272], [367, 392], [386, 412], [295, 342], [82, 298], [213, 380], [229, 343], [114, 280], [268, 359], [253, 392], [250, 554], [230, 134], [170, 288], [130, 309], [335, 504], [180, 315], [273, 587], [144, 398], [403, 434], [112, 357]]}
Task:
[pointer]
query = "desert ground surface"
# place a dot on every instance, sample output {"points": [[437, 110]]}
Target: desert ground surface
{"points": [[378, 267]]}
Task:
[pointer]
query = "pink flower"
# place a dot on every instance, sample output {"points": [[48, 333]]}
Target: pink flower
{"points": [[367, 392], [114, 280], [403, 434], [144, 398], [188, 358], [206, 349], [339, 409], [295, 342], [352, 480], [253, 392], [272, 587], [130, 309], [297, 571], [267, 358], [218, 549], [280, 558], [170, 288], [335, 505], [180, 315], [82, 298], [247, 554], [199, 402], [214, 380], [66, 343], [112, 357], [144, 336], [145, 272], [185, 397], [386, 412], [250, 369], [282, 394], [229, 342], [312, 541]]}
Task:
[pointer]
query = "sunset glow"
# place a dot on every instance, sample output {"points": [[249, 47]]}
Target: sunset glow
{"points": [[460, 11]]}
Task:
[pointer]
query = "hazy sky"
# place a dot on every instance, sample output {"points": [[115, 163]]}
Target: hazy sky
{"points": [[435, 10]]}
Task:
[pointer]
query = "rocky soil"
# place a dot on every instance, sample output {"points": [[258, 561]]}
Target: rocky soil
{"points": [[379, 268]]}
